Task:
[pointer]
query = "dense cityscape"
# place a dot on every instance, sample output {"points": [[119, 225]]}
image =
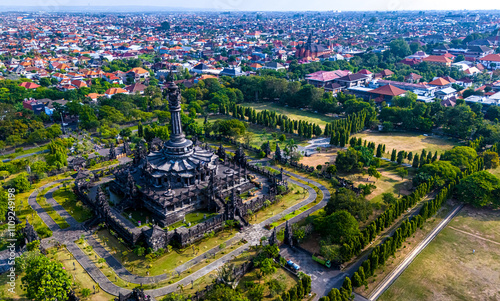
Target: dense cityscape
{"points": [[248, 156]]}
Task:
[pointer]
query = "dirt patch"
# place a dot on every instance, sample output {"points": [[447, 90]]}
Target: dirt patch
{"points": [[326, 155], [312, 243]]}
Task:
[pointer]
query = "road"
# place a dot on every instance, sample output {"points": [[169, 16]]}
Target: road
{"points": [[67, 236], [392, 276]]}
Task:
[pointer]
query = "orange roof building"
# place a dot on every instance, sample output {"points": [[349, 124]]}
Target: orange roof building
{"points": [[441, 82], [438, 60], [29, 85]]}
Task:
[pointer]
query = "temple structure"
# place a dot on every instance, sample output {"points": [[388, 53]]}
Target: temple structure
{"points": [[168, 180], [175, 177], [311, 50]]}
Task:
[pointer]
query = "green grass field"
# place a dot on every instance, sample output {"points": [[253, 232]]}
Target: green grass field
{"points": [[292, 113], [408, 142], [66, 198], [24, 152], [257, 133], [167, 262], [448, 269]]}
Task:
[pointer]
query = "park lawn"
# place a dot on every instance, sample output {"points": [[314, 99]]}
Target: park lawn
{"points": [[66, 198], [281, 275], [24, 210], [172, 276], [82, 278], [292, 113], [59, 220], [24, 152], [409, 142], [19, 293], [194, 218], [448, 270], [295, 196], [258, 133], [42, 201], [104, 164], [167, 262], [103, 267]]}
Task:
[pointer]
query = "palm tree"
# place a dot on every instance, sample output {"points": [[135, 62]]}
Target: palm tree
{"points": [[181, 287]]}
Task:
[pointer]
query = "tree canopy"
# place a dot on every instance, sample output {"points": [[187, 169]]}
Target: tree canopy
{"points": [[479, 189], [460, 156]]}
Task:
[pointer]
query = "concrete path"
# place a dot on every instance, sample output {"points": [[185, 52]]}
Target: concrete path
{"points": [[67, 236], [392, 276]]}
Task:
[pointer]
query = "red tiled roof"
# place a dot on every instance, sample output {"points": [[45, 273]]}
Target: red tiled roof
{"points": [[324, 76], [29, 85], [495, 57], [439, 82], [389, 90], [437, 59]]}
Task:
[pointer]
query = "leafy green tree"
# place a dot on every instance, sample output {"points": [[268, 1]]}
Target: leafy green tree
{"points": [[460, 156], [256, 292], [402, 172], [339, 226], [399, 48], [334, 295], [347, 160], [442, 171], [346, 199], [20, 183], [389, 198], [346, 289], [479, 189], [46, 280], [224, 293], [416, 161]]}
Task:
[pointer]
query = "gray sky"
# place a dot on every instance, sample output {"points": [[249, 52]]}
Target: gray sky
{"points": [[279, 5]]}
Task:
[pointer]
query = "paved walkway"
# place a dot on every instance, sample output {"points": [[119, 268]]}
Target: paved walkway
{"points": [[394, 274], [67, 236]]}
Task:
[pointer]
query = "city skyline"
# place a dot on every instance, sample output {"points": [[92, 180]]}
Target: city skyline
{"points": [[259, 5]]}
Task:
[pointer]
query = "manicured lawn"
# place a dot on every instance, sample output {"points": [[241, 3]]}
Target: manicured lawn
{"points": [[448, 269], [82, 278], [67, 199], [296, 195], [167, 262], [42, 201], [409, 142], [103, 266], [104, 164], [292, 113], [194, 218], [24, 152], [24, 210]]}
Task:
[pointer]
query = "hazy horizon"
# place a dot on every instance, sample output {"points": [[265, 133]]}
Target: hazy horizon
{"points": [[257, 5]]}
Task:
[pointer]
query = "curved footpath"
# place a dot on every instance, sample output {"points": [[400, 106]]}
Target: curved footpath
{"points": [[68, 236]]}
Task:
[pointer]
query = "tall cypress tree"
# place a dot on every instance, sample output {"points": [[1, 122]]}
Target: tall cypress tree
{"points": [[393, 155], [379, 151], [415, 161]]}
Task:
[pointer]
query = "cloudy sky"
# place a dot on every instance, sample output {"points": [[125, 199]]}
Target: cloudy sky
{"points": [[274, 5]]}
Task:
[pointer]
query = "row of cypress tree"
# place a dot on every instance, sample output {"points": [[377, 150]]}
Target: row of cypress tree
{"points": [[381, 253]]}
